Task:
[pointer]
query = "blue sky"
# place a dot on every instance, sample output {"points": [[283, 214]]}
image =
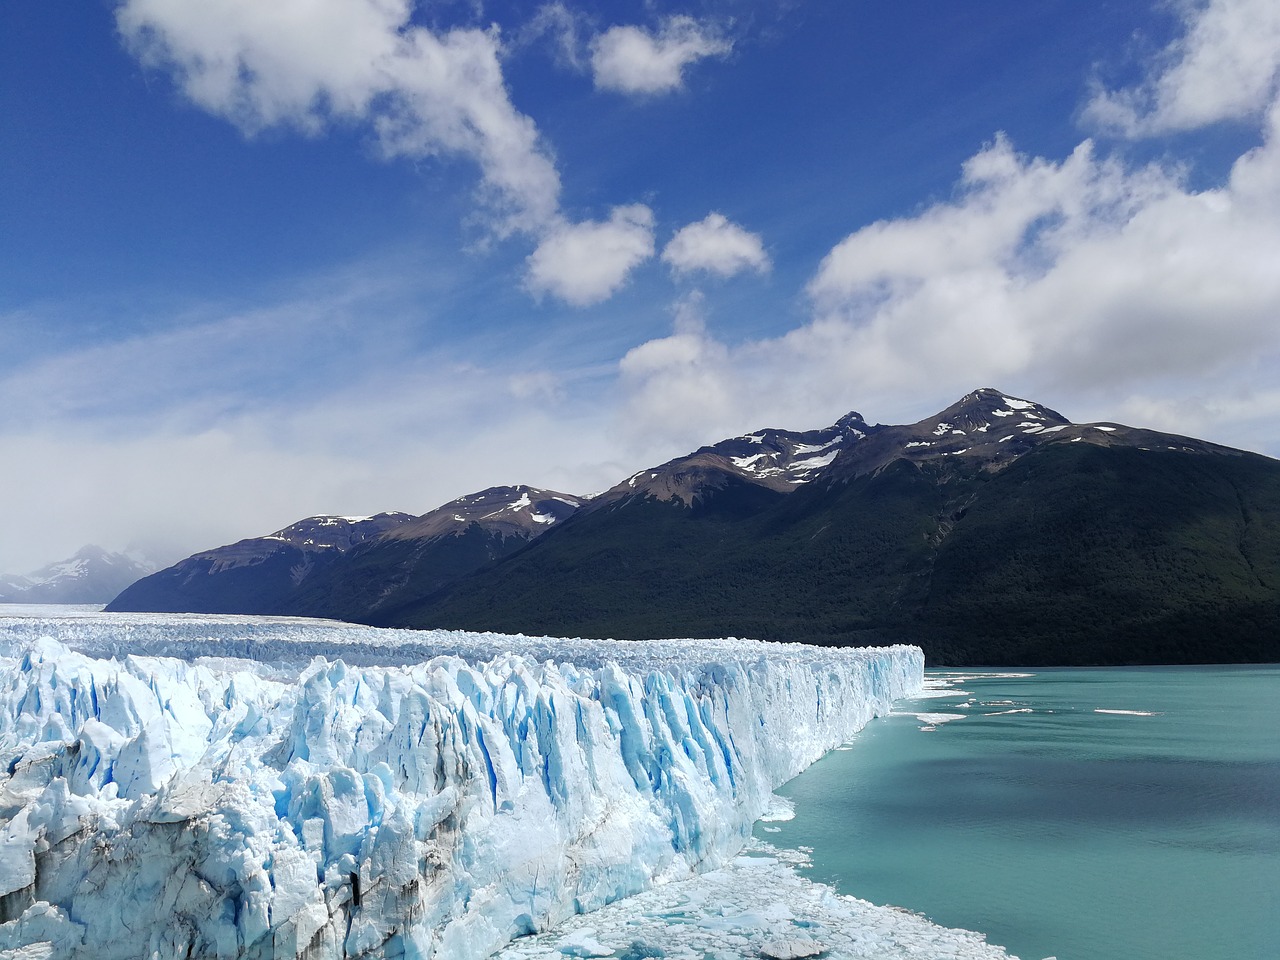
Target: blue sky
{"points": [[260, 261]]}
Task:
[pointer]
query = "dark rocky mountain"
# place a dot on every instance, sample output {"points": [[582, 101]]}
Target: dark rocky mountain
{"points": [[995, 532], [351, 566], [257, 575], [418, 558], [93, 575], [778, 460]]}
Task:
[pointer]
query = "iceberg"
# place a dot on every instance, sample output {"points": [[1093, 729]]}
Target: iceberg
{"points": [[202, 786]]}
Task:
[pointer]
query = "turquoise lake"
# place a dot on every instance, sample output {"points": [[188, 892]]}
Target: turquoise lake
{"points": [[1083, 814]]}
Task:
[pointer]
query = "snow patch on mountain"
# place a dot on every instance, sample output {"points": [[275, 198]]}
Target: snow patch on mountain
{"points": [[93, 575]]}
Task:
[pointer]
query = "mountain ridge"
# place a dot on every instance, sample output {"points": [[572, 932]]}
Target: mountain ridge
{"points": [[91, 575], [971, 532], [296, 569]]}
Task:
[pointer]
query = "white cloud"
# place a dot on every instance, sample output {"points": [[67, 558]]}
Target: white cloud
{"points": [[681, 388], [1226, 66], [537, 385], [306, 63], [633, 60], [585, 263], [715, 245], [181, 439], [563, 27], [1118, 286]]}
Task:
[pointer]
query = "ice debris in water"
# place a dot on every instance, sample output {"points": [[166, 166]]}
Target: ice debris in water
{"points": [[755, 906], [278, 788]]}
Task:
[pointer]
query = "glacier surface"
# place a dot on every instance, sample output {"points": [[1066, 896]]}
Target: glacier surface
{"points": [[203, 786]]}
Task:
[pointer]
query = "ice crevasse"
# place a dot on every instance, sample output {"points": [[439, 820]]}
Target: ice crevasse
{"points": [[155, 806]]}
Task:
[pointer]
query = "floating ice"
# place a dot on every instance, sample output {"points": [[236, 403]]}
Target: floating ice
{"points": [[252, 787], [1129, 713], [757, 905]]}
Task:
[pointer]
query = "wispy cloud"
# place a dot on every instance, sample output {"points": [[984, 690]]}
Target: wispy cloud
{"points": [[633, 60], [1225, 66], [188, 438]]}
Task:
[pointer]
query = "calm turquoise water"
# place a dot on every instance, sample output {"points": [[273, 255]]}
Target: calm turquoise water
{"points": [[1062, 831]]}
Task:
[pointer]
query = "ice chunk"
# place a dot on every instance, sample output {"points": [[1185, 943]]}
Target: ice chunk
{"points": [[791, 948], [581, 943]]}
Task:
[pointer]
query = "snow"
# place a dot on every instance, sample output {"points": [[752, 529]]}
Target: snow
{"points": [[769, 467], [515, 506], [918, 443], [73, 569], [223, 786], [814, 463], [542, 518], [1105, 429], [803, 448], [1015, 404]]}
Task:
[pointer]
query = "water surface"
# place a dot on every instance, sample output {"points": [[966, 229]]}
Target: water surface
{"points": [[1087, 814]]}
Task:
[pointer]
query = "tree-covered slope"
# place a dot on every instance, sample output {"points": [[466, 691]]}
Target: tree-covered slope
{"points": [[1074, 553], [1084, 554], [384, 573]]}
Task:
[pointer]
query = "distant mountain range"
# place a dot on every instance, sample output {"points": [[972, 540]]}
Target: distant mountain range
{"points": [[352, 567], [93, 575], [996, 532]]}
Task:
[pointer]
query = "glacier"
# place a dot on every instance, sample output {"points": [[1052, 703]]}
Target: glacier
{"points": [[204, 786]]}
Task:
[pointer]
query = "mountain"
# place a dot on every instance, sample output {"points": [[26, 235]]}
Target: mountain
{"points": [[420, 557], [257, 575], [994, 532], [93, 575], [349, 568]]}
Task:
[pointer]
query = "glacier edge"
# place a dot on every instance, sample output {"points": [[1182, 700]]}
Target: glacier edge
{"points": [[163, 807]]}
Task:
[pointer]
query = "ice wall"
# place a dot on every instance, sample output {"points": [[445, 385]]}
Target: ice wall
{"points": [[163, 807]]}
